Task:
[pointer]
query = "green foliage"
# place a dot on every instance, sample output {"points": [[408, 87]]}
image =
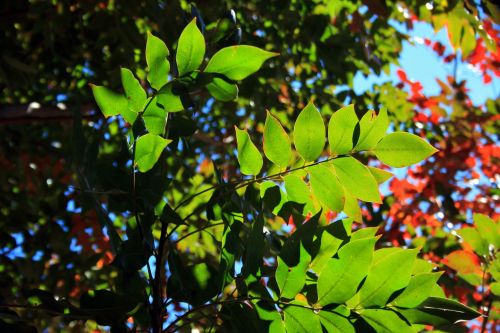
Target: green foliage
{"points": [[158, 64], [309, 133], [248, 155], [401, 149], [276, 142], [148, 150], [190, 49]]}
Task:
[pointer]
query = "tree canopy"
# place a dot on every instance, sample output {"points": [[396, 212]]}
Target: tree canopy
{"points": [[171, 166]]}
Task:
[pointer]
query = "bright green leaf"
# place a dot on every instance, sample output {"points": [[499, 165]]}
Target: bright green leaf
{"points": [[474, 239], [291, 280], [296, 189], [335, 323], [276, 142], [417, 291], [170, 101], [372, 129], [155, 117], [190, 49], [400, 149], [309, 133], [134, 92], [357, 179], [380, 175], [110, 102], [248, 155], [385, 321], [326, 187], [351, 208], [222, 90], [148, 149], [341, 130], [239, 61], [488, 229], [299, 319], [156, 58]]}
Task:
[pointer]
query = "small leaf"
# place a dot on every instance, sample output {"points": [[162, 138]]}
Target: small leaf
{"points": [[418, 290], [309, 133], [291, 280], [276, 142], [400, 149], [372, 128], [110, 102], [340, 278], [341, 130], [134, 92], [385, 321], [248, 155], [357, 179], [155, 117], [380, 175], [156, 58], [167, 99], [148, 149], [386, 276], [299, 319], [326, 187], [190, 49], [237, 62], [222, 90]]}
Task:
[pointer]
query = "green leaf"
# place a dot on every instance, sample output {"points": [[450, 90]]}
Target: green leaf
{"points": [[276, 142], [400, 149], [248, 155], [381, 176], [134, 92], [351, 208], [385, 321], [309, 133], [341, 130], [418, 290], [439, 311], [335, 323], [291, 279], [155, 117], [372, 128], [170, 101], [239, 61], [474, 239], [148, 149], [340, 278], [386, 276], [296, 189], [222, 90], [488, 229], [326, 187], [156, 58], [301, 320], [190, 49], [357, 179], [110, 102]]}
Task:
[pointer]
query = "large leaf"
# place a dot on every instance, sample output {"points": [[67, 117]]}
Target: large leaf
{"points": [[335, 323], [387, 275], [299, 319], [341, 130], [400, 149], [309, 133], [340, 278], [372, 128], [155, 117], [276, 142], [237, 62], [296, 189], [110, 102], [326, 187], [190, 49], [357, 179], [148, 149], [222, 90], [385, 321], [291, 279], [168, 99], [438, 311], [248, 155], [156, 58], [418, 290], [134, 92]]}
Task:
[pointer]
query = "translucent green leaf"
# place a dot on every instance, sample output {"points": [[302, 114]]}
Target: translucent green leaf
{"points": [[335, 323], [134, 92], [380, 175], [309, 133], [248, 155], [239, 61], [299, 319], [418, 290], [296, 189], [190, 49], [156, 58], [439, 311], [170, 101], [351, 208], [488, 229], [386, 276], [291, 279], [475, 240], [385, 321], [326, 187], [155, 117], [357, 179], [110, 102], [222, 90], [372, 128], [340, 278], [276, 142], [148, 149], [400, 149], [341, 130]]}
